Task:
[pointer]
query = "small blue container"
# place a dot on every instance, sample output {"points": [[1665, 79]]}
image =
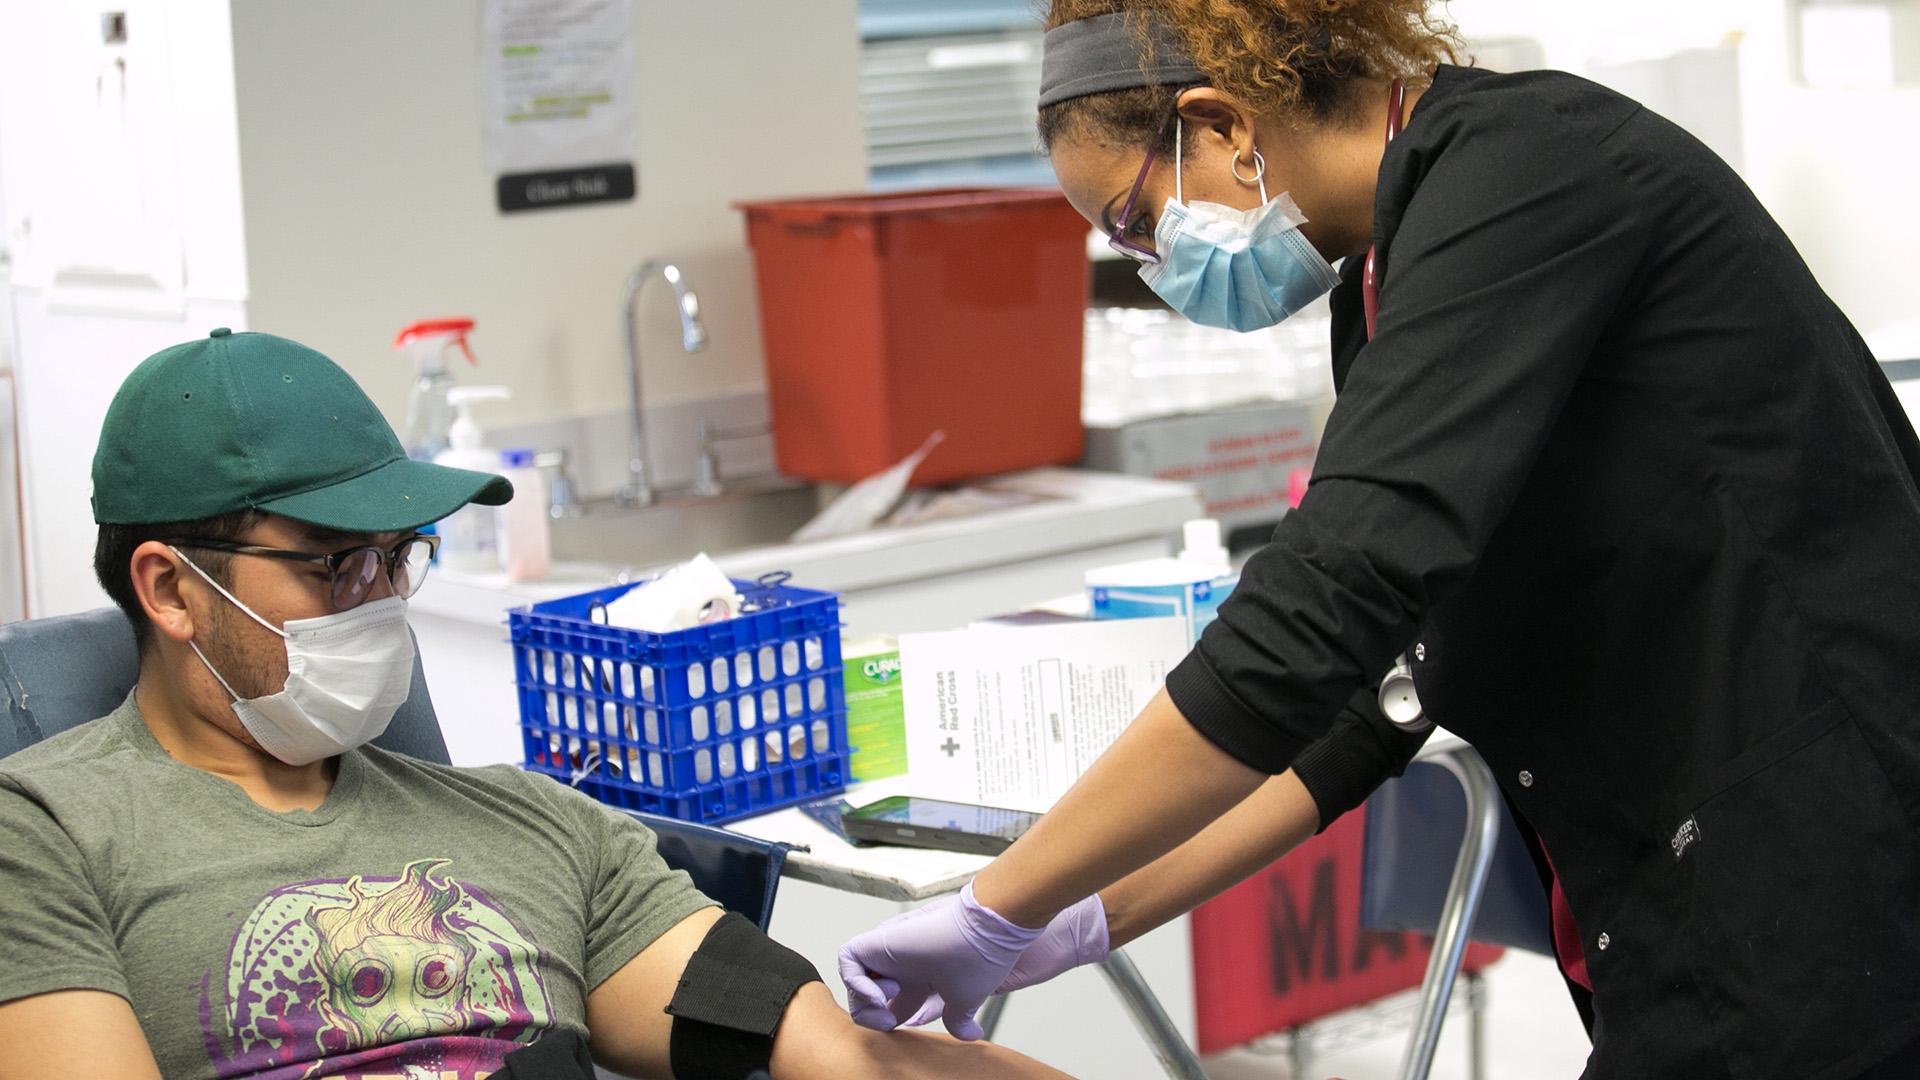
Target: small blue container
{"points": [[1160, 588], [706, 724]]}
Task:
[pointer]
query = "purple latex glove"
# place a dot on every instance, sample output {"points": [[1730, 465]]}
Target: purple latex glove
{"points": [[1075, 937], [954, 948]]}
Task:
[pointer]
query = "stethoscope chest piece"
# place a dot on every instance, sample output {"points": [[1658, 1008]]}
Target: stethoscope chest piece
{"points": [[1400, 701]]}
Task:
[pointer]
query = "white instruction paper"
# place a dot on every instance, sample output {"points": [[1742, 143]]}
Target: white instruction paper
{"points": [[556, 83], [1012, 716]]}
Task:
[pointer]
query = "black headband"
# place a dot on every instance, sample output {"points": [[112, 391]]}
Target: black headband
{"points": [[1097, 55]]}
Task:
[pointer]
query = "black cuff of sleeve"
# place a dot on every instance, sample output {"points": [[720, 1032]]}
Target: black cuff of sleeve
{"points": [[1337, 780], [558, 1055], [1216, 713]]}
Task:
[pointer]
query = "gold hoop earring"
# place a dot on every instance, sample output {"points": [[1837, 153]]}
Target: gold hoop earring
{"points": [[1259, 169]]}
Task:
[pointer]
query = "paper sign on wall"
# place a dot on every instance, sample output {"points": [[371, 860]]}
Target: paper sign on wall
{"points": [[557, 100], [1012, 716]]}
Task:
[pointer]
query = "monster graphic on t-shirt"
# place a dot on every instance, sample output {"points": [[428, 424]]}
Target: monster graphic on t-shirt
{"points": [[371, 978]]}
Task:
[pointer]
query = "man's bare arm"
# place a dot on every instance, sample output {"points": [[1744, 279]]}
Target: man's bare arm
{"points": [[817, 1040], [630, 1030], [87, 1033]]}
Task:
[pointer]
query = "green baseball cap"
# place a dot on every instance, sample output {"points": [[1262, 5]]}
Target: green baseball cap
{"points": [[234, 422]]}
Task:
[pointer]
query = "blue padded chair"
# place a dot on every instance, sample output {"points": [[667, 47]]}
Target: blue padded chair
{"points": [[1413, 830], [60, 672], [1414, 833]]}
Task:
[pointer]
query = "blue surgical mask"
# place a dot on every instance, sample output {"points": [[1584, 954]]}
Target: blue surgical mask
{"points": [[1238, 269]]}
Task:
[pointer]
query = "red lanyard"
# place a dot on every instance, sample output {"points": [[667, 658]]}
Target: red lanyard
{"points": [[1369, 281]]}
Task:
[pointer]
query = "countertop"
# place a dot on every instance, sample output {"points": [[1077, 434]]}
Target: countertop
{"points": [[1080, 509]]}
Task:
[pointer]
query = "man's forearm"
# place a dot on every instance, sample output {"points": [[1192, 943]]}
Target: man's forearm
{"points": [[928, 1055], [1155, 787], [817, 1041], [1275, 819]]}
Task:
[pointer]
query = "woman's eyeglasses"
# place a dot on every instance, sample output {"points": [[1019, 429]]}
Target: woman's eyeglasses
{"points": [[351, 573], [1117, 239]]}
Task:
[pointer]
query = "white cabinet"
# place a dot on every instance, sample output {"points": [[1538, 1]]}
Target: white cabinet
{"points": [[120, 215], [13, 566], [102, 232]]}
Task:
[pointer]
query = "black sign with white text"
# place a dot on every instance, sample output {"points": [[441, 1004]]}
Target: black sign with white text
{"points": [[566, 187]]}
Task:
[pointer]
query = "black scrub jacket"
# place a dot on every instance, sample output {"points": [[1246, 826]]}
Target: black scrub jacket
{"points": [[1636, 497]]}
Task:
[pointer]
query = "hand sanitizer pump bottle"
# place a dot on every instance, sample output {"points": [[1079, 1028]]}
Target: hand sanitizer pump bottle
{"points": [[470, 536]]}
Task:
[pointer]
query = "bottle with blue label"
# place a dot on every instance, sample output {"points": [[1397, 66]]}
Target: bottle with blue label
{"points": [[1190, 586]]}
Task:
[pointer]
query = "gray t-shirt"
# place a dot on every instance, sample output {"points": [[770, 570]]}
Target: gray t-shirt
{"points": [[424, 921]]}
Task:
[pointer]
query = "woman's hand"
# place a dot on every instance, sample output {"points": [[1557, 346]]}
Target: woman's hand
{"points": [[1075, 937], [1152, 790], [953, 949], [1109, 825]]}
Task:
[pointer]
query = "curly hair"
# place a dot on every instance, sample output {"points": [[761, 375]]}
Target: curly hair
{"points": [[1287, 58]]}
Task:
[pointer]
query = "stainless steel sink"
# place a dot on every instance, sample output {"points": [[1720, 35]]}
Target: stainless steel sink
{"points": [[749, 514]]}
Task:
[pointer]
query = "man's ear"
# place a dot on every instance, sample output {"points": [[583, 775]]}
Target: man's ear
{"points": [[158, 574], [1213, 116]]}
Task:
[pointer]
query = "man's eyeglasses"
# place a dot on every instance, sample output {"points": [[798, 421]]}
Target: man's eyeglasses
{"points": [[351, 573], [1117, 239]]}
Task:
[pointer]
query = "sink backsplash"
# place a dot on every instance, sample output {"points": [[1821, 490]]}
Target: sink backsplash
{"points": [[596, 443]]}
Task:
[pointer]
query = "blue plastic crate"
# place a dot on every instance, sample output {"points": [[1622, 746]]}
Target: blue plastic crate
{"points": [[706, 724]]}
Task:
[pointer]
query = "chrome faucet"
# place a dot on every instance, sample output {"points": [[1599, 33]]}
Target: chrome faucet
{"points": [[706, 469], [693, 338]]}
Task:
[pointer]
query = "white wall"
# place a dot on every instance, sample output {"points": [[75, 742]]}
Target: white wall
{"points": [[1836, 168], [315, 170], [1839, 169], [369, 204]]}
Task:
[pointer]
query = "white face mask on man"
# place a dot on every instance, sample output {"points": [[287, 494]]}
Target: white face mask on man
{"points": [[347, 674]]}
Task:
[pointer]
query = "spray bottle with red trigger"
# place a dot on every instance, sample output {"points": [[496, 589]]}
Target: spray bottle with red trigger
{"points": [[429, 414]]}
